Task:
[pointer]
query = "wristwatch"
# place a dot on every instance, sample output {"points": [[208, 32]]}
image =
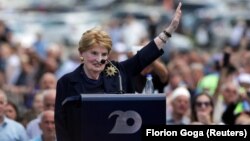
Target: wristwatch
{"points": [[167, 34]]}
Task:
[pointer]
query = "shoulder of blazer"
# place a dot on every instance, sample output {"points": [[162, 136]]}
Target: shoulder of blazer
{"points": [[74, 76]]}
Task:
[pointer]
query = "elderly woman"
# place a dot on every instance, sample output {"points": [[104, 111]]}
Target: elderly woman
{"points": [[97, 74]]}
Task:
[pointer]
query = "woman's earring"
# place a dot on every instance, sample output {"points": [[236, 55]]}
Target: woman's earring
{"points": [[81, 58]]}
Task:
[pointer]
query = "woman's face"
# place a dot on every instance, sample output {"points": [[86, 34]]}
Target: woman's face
{"points": [[10, 112], [93, 57], [203, 104]]}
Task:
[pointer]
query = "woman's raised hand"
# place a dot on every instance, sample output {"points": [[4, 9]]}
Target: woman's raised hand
{"points": [[175, 21]]}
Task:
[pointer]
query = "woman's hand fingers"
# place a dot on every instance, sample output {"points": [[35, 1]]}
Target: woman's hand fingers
{"points": [[175, 22]]}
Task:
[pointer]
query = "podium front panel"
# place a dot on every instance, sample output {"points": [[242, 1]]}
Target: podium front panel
{"points": [[112, 117]]}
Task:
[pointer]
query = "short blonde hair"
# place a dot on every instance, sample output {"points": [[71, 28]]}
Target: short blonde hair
{"points": [[94, 36]]}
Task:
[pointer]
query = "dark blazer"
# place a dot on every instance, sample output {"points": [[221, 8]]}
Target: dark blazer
{"points": [[67, 120]]}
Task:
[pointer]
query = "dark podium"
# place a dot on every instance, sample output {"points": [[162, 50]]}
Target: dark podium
{"points": [[114, 117]]}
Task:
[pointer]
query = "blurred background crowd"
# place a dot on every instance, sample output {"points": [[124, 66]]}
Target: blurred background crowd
{"points": [[39, 40]]}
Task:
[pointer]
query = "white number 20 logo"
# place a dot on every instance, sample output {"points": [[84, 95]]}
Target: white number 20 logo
{"points": [[121, 125]]}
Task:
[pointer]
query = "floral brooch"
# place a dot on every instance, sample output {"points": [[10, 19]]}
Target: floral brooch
{"points": [[110, 71]]}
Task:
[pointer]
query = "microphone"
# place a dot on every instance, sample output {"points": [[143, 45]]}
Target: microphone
{"points": [[103, 61], [119, 75]]}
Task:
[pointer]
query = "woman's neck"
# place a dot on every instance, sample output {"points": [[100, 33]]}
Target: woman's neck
{"points": [[91, 74]]}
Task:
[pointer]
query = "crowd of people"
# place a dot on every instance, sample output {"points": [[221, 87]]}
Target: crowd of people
{"points": [[201, 87]]}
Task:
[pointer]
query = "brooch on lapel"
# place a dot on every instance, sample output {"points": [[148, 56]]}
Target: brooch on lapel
{"points": [[110, 71]]}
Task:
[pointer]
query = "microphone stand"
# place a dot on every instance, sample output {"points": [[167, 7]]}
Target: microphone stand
{"points": [[119, 76]]}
